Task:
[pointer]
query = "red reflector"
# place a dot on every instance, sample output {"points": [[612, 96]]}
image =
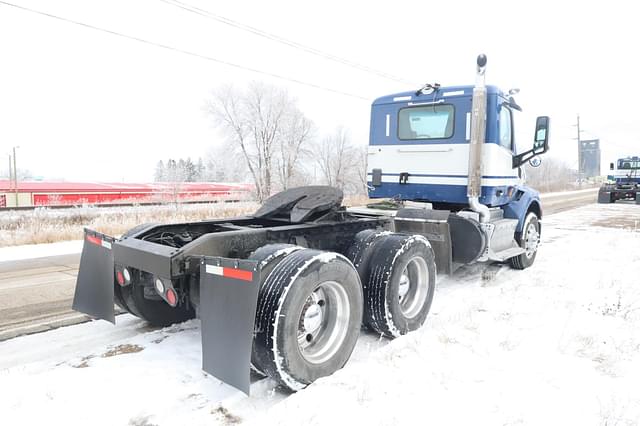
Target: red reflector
{"points": [[238, 274], [171, 297], [120, 277], [94, 240]]}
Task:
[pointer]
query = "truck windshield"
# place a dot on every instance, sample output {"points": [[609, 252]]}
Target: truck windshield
{"points": [[425, 122], [628, 165]]}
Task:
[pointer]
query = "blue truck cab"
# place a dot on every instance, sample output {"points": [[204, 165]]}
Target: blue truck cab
{"points": [[453, 148], [419, 150]]}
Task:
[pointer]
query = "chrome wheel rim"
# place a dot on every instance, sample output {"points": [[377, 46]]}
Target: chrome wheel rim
{"points": [[413, 287], [323, 322], [531, 240]]}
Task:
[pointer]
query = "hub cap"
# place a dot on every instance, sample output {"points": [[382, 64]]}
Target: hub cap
{"points": [[323, 322], [413, 287], [531, 240]]}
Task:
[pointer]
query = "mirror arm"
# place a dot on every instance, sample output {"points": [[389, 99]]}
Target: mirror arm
{"points": [[520, 159]]}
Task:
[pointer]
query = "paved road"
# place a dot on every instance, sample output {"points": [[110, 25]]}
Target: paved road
{"points": [[558, 202], [35, 294]]}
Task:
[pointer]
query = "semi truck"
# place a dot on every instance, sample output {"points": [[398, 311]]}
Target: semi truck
{"points": [[623, 183], [285, 291]]}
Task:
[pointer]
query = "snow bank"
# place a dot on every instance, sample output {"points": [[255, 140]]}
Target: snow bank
{"points": [[33, 251]]}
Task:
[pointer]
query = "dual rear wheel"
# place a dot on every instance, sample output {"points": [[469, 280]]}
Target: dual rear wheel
{"points": [[311, 303]]}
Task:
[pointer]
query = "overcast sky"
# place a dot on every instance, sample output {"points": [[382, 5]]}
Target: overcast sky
{"points": [[82, 104]]}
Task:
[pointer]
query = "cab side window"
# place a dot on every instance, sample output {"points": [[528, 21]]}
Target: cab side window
{"points": [[505, 128]]}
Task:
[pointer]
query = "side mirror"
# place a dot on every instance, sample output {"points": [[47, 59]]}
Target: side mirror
{"points": [[540, 144], [535, 162], [610, 166], [541, 138]]}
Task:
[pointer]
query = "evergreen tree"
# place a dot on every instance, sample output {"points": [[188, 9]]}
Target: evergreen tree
{"points": [[200, 171], [160, 172], [189, 170]]}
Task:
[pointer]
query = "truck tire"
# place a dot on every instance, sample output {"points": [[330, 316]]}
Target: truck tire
{"points": [[401, 284], [605, 196], [269, 256], [529, 240], [362, 249], [308, 317]]}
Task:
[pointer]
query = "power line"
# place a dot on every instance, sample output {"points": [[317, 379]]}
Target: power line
{"points": [[282, 40], [186, 52]]}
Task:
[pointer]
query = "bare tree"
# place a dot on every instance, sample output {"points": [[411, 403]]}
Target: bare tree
{"points": [[362, 157], [340, 162], [552, 175], [296, 131], [174, 178], [222, 165], [259, 121]]}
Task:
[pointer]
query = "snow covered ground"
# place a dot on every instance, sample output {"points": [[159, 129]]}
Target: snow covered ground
{"points": [[34, 251], [558, 343]]}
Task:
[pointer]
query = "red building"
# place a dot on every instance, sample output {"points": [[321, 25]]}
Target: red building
{"points": [[77, 193]]}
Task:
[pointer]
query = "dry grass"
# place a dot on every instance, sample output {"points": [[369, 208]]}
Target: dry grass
{"points": [[122, 349], [356, 200], [226, 416], [44, 225]]}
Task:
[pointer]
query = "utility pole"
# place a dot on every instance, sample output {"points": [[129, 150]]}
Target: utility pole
{"points": [[10, 179], [580, 168], [10, 172], [15, 174]]}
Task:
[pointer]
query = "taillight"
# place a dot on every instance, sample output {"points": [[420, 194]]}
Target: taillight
{"points": [[172, 299], [120, 277], [166, 291], [159, 286], [127, 275]]}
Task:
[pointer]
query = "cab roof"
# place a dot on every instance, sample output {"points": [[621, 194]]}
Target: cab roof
{"points": [[443, 92]]}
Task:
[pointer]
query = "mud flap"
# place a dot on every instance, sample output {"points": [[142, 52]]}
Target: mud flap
{"points": [[94, 285], [228, 299]]}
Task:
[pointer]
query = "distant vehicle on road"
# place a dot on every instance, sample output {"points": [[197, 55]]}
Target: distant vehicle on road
{"points": [[623, 183]]}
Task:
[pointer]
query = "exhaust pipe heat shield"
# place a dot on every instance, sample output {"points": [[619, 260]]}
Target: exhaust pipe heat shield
{"points": [[94, 285]]}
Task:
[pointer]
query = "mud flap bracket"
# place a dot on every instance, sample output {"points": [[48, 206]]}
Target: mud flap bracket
{"points": [[228, 299], [432, 224]]}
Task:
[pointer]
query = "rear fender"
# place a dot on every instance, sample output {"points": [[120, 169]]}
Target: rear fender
{"points": [[228, 299], [94, 285]]}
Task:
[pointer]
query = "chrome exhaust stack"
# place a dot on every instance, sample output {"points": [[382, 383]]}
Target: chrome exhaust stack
{"points": [[478, 130]]}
